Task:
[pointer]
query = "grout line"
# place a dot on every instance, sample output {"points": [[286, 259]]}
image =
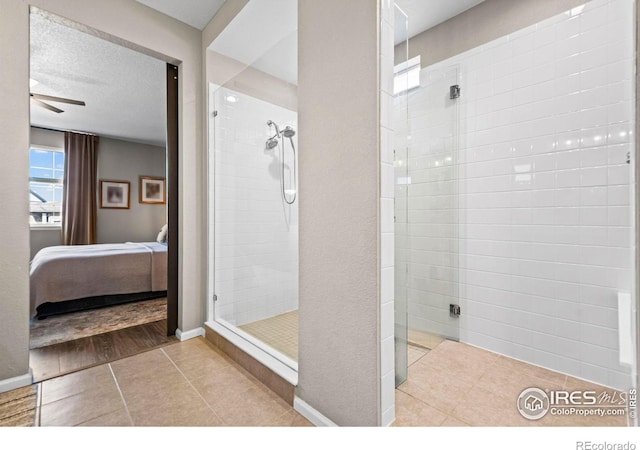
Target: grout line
{"points": [[193, 387], [38, 416], [126, 407]]}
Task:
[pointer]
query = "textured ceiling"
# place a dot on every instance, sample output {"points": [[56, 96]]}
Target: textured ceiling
{"points": [[124, 90]]}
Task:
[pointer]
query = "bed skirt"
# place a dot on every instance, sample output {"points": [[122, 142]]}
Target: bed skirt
{"points": [[54, 308]]}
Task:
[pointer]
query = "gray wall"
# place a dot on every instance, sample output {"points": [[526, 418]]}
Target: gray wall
{"points": [[338, 91], [14, 200], [183, 45], [117, 160], [485, 22], [127, 161]]}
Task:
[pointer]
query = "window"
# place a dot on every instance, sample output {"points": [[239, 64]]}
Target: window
{"points": [[46, 174], [406, 76]]}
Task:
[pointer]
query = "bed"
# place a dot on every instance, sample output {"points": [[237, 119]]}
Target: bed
{"points": [[69, 278]]}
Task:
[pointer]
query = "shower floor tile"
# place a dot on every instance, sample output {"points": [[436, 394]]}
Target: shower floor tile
{"points": [[456, 384], [279, 332]]}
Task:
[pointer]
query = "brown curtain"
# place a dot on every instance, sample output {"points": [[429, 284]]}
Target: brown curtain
{"points": [[79, 205]]}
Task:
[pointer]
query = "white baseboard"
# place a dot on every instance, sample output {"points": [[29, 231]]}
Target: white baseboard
{"points": [[186, 335], [311, 414], [16, 382]]}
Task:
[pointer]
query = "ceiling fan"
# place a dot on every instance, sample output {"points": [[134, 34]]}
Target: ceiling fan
{"points": [[37, 99]]}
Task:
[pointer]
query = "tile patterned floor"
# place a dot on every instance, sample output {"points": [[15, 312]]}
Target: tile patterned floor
{"points": [[184, 384], [460, 385], [192, 384], [279, 332]]}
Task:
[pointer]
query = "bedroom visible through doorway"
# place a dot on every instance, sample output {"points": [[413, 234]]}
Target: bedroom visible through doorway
{"points": [[121, 296]]}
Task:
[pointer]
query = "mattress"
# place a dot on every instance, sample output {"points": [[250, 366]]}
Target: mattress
{"points": [[70, 272]]}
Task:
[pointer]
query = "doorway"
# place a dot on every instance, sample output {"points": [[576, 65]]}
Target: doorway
{"points": [[136, 143]]}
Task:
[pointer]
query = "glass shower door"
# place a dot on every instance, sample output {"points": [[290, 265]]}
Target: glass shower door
{"points": [[401, 145], [433, 197]]}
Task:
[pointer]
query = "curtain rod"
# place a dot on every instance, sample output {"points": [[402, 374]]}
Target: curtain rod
{"points": [[62, 131]]}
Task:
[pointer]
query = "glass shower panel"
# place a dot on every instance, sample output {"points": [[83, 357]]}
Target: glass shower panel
{"points": [[401, 146], [256, 251], [432, 279], [253, 178]]}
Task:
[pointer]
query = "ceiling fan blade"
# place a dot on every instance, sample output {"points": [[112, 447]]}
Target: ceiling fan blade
{"points": [[46, 106], [58, 99]]}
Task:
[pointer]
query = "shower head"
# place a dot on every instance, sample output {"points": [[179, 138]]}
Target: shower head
{"points": [[272, 143], [270, 123], [288, 132]]}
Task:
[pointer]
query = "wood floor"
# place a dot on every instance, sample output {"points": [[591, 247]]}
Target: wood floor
{"points": [[66, 357], [18, 407]]}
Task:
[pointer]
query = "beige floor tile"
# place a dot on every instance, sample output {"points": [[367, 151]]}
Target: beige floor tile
{"points": [[80, 408], [412, 412], [486, 409], [192, 348], [196, 367], [290, 419], [118, 418], [453, 422], [228, 382], [254, 408], [141, 366], [509, 365], [177, 409], [415, 353], [509, 385], [465, 366], [96, 378], [423, 338], [437, 389]]}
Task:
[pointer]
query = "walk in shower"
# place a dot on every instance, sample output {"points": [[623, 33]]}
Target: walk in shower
{"points": [[252, 171], [515, 193]]}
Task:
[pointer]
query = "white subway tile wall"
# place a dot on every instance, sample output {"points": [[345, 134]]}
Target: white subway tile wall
{"points": [[256, 233], [520, 206]]}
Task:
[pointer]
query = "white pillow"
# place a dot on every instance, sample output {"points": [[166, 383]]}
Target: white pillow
{"points": [[162, 236]]}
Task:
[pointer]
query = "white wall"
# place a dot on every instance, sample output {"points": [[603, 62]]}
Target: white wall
{"points": [[545, 192], [256, 232]]}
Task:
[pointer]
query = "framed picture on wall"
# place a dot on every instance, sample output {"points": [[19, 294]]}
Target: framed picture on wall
{"points": [[152, 190], [114, 194]]}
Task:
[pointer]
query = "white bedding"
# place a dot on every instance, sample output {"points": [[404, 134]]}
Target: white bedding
{"points": [[69, 272]]}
